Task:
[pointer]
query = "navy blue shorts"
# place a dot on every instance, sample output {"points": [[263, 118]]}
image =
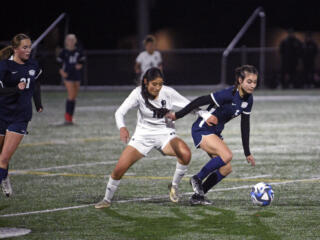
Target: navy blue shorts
{"points": [[17, 127], [200, 128], [74, 76]]}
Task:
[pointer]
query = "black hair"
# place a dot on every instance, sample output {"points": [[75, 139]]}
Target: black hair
{"points": [[152, 74], [149, 38], [240, 72]]}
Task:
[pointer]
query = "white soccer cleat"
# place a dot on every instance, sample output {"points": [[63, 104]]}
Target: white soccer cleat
{"points": [[173, 193], [6, 186], [103, 204]]}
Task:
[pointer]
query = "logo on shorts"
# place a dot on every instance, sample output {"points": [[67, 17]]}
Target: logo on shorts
{"points": [[32, 72]]}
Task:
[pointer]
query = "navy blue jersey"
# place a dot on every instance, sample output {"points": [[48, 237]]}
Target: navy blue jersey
{"points": [[69, 59], [226, 106], [18, 106]]}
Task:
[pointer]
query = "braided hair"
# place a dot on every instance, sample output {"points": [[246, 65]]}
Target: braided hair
{"points": [[240, 72], [152, 74]]}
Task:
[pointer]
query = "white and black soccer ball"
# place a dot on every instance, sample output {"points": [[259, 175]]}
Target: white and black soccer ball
{"points": [[262, 194]]}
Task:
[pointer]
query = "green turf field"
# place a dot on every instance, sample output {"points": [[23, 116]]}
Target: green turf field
{"points": [[59, 172]]}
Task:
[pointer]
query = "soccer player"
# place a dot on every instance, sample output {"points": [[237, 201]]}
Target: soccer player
{"points": [[153, 100], [16, 69], [148, 58], [72, 60], [224, 105]]}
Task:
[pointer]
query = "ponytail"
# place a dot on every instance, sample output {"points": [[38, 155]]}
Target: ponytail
{"points": [[6, 52], [151, 74]]}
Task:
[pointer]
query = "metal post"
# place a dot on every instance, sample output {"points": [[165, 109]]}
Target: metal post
{"points": [[143, 21], [44, 34], [66, 25], [262, 47], [243, 55], [234, 42]]}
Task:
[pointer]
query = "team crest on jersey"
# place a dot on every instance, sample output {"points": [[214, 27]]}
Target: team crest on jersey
{"points": [[32, 72], [244, 104]]}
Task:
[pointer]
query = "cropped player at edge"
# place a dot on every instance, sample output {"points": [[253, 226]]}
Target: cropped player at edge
{"points": [[224, 105], [16, 69], [153, 130]]}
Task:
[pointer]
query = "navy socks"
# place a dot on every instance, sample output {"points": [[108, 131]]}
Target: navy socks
{"points": [[212, 180], [3, 174], [213, 164], [70, 106]]}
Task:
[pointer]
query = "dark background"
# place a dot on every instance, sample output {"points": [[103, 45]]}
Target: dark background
{"points": [[190, 24], [105, 27]]}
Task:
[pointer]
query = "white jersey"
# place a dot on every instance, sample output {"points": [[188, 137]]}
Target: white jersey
{"points": [[147, 60], [168, 98]]}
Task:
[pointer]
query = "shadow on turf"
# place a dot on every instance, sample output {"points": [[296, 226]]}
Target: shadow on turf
{"points": [[198, 221]]}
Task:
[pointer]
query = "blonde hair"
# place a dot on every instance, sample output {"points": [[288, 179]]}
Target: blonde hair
{"points": [[70, 36], [6, 52]]}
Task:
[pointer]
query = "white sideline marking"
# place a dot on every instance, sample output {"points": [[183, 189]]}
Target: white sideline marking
{"points": [[17, 172], [23, 171], [151, 198]]}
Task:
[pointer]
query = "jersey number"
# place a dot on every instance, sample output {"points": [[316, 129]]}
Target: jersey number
{"points": [[73, 59], [27, 81]]}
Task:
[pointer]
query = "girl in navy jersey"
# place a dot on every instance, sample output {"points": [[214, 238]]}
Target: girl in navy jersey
{"points": [[16, 69], [72, 60], [224, 105]]}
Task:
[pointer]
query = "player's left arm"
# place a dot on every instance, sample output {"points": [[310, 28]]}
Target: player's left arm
{"points": [[37, 92], [245, 134], [160, 65], [81, 60]]}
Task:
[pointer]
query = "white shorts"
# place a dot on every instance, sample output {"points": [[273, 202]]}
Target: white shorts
{"points": [[145, 142]]}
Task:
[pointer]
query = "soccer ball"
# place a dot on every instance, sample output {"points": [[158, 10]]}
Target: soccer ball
{"points": [[262, 194]]}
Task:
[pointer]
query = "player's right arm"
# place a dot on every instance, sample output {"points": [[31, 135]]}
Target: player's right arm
{"points": [[4, 91], [137, 65], [130, 102]]}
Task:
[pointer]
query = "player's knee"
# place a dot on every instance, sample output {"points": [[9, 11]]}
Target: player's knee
{"points": [[227, 157], [185, 156], [4, 159], [228, 169]]}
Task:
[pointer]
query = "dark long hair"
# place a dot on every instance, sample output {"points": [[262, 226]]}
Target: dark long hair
{"points": [[240, 72], [152, 74], [6, 52]]}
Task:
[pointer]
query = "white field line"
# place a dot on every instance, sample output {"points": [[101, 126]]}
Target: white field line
{"points": [[18, 172], [151, 198], [23, 171], [259, 176]]}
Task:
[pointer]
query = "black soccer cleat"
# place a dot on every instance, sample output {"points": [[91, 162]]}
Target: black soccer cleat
{"points": [[196, 185], [196, 199]]}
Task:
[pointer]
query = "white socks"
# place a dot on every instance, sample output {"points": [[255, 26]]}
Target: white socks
{"points": [[179, 173], [111, 188]]}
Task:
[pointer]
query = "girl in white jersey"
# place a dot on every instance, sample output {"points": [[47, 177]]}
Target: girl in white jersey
{"points": [[148, 58], [153, 101]]}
